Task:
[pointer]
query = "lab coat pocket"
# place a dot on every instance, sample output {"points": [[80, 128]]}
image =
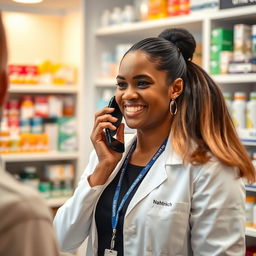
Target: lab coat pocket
{"points": [[167, 228]]}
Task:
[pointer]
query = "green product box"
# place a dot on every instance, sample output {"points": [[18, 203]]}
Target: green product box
{"points": [[67, 135], [214, 67], [222, 36], [217, 49]]}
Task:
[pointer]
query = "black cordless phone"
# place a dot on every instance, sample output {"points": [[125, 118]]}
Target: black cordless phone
{"points": [[111, 141]]}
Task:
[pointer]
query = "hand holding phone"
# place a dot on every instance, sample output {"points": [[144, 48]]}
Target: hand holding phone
{"points": [[111, 141]]}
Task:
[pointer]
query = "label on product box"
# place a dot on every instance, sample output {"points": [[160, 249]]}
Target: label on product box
{"points": [[224, 4]]}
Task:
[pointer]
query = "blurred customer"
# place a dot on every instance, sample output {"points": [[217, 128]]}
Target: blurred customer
{"points": [[26, 223]]}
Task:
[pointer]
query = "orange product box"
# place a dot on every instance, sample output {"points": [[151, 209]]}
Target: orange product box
{"points": [[16, 74], [173, 7], [157, 9], [184, 7]]}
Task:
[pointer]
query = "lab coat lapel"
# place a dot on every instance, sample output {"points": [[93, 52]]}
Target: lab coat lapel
{"points": [[156, 175]]}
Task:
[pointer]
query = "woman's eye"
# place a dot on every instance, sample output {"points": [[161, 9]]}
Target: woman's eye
{"points": [[121, 85], [142, 83]]}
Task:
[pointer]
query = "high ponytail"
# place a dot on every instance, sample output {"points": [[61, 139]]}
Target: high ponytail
{"points": [[202, 126]]}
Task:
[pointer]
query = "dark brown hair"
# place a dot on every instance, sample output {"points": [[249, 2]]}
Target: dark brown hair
{"points": [[202, 124]]}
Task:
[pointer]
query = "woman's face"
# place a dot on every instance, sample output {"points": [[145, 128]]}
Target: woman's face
{"points": [[142, 93]]}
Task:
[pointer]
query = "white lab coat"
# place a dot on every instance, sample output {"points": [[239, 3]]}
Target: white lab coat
{"points": [[178, 209]]}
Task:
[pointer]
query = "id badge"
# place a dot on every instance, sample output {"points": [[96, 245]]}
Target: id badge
{"points": [[109, 252]]}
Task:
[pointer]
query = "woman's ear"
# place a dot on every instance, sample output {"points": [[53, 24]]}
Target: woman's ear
{"points": [[176, 88]]}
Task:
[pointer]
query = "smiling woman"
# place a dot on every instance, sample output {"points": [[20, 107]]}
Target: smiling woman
{"points": [[182, 170]]}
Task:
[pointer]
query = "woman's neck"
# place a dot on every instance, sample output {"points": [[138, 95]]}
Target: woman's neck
{"points": [[148, 143]]}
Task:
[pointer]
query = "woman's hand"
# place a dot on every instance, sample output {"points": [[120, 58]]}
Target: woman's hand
{"points": [[108, 158]]}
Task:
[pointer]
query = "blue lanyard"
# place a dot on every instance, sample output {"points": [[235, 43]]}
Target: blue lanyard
{"points": [[115, 211]]}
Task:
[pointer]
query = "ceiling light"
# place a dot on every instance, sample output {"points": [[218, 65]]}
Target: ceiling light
{"points": [[28, 1]]}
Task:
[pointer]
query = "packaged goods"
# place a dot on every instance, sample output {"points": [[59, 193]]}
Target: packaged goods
{"points": [[105, 18], [41, 106], [157, 9], [254, 41], [239, 110], [51, 129], [251, 111], [242, 42], [241, 67], [141, 9], [27, 107], [23, 74], [67, 138], [55, 106], [222, 37], [29, 177], [227, 97], [173, 7], [250, 201], [128, 15]]}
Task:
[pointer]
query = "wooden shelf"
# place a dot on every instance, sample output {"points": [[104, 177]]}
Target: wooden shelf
{"points": [[38, 88], [47, 156]]}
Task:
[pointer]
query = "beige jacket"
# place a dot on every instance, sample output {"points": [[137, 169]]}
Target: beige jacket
{"points": [[25, 221]]}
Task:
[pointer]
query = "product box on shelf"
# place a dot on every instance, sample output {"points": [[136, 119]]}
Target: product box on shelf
{"points": [[225, 4], [67, 138], [221, 36], [23, 74]]}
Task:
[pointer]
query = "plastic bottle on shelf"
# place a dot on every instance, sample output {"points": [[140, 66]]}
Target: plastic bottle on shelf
{"points": [[141, 9], [227, 97], [4, 141], [239, 110], [105, 18], [251, 111], [249, 204], [128, 14], [29, 177], [116, 16], [27, 107]]}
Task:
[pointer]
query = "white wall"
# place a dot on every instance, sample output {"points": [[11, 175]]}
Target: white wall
{"points": [[33, 38]]}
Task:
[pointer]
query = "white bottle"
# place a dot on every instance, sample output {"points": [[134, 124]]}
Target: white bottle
{"points": [[251, 111], [116, 16], [239, 110], [227, 97], [105, 18], [128, 15]]}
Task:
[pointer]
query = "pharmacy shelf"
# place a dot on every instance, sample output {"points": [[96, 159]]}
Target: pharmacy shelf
{"points": [[105, 82], [250, 232], [188, 20], [47, 156], [39, 88], [235, 78], [56, 202], [192, 20]]}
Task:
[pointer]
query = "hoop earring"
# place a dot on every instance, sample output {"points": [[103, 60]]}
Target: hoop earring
{"points": [[173, 107]]}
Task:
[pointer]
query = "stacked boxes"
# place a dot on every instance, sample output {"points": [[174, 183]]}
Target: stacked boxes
{"points": [[242, 42], [221, 50]]}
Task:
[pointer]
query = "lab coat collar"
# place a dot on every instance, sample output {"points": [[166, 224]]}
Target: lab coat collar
{"points": [[156, 175]]}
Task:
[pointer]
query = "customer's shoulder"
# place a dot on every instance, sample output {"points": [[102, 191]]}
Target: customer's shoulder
{"points": [[19, 203]]}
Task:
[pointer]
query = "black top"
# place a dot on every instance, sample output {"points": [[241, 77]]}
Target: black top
{"points": [[103, 215]]}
